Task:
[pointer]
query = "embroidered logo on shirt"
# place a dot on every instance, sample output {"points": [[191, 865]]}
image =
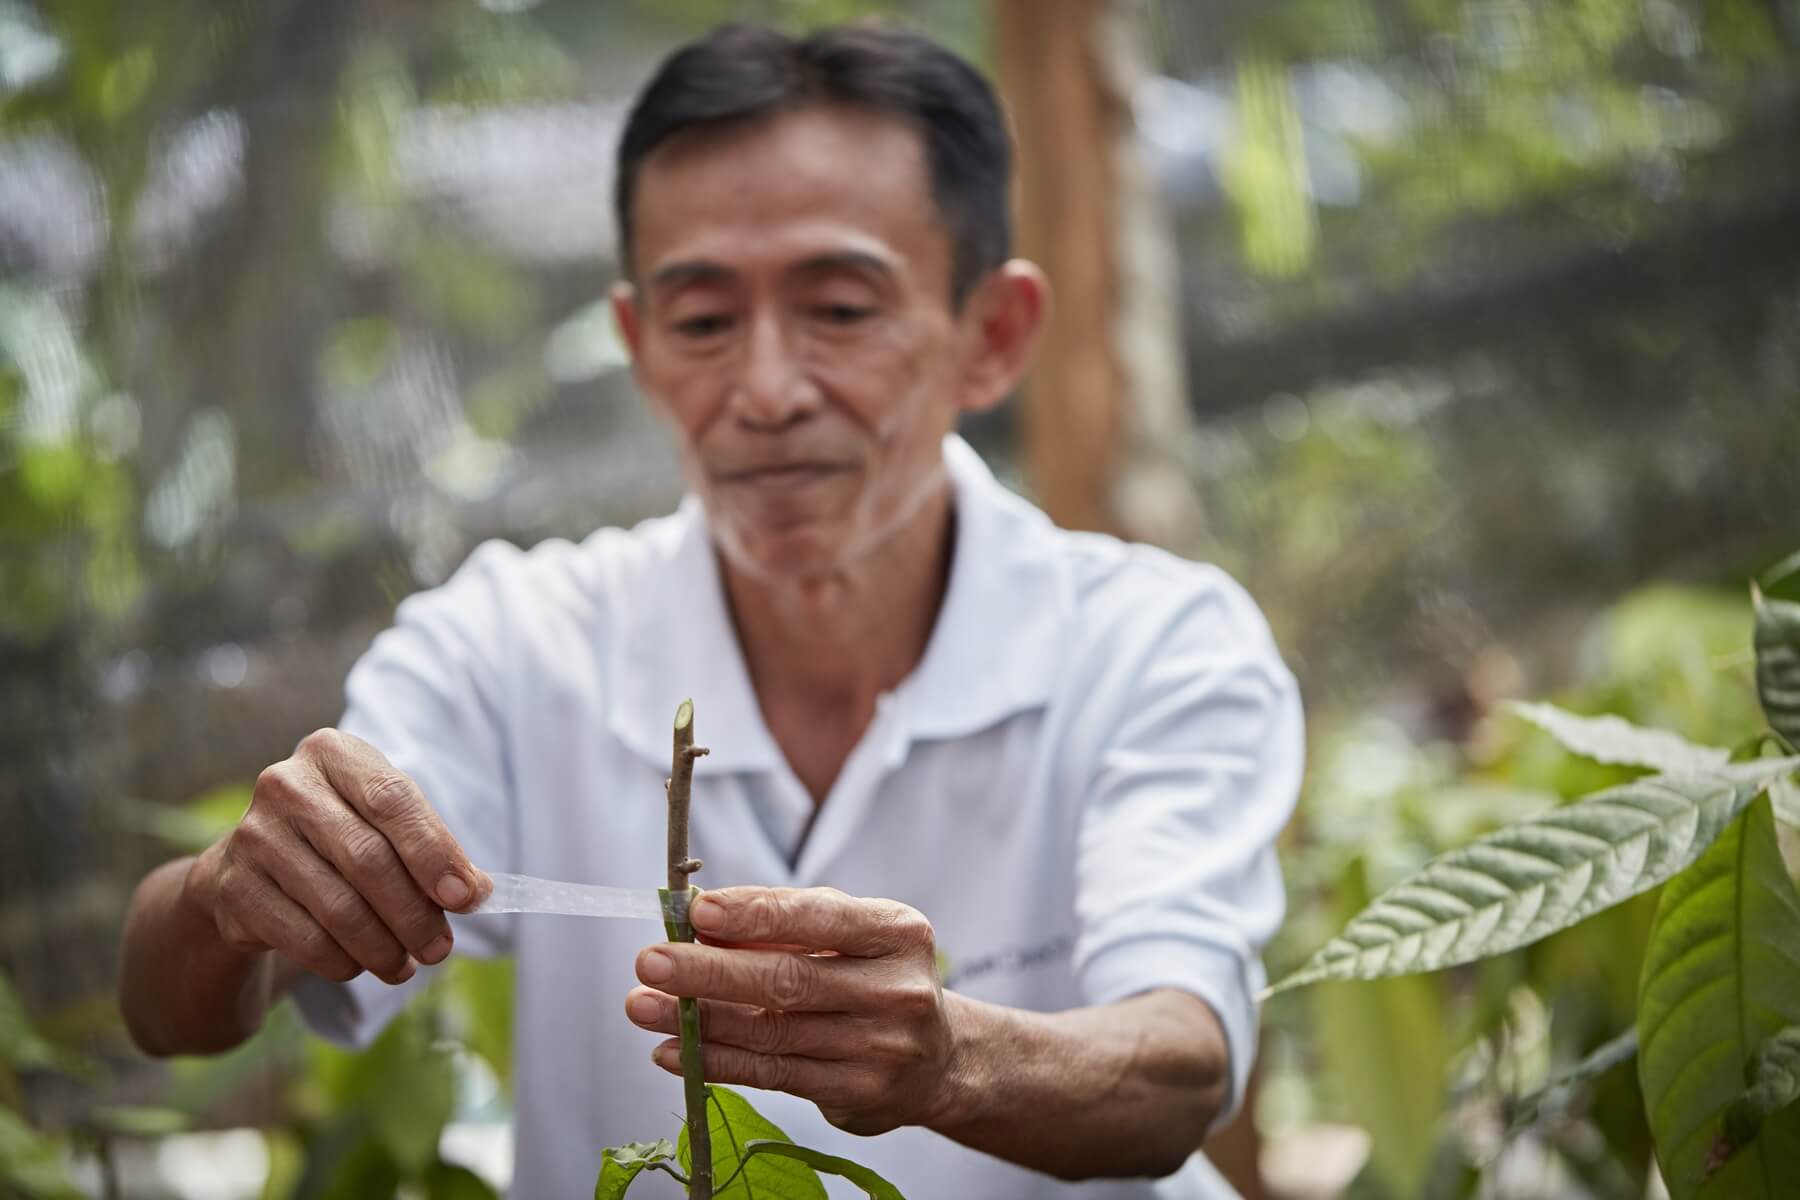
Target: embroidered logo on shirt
{"points": [[1011, 959]]}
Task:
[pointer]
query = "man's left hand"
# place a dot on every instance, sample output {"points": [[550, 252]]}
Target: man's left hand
{"points": [[830, 997]]}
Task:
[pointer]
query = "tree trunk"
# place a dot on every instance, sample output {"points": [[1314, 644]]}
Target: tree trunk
{"points": [[1063, 113], [1105, 412]]}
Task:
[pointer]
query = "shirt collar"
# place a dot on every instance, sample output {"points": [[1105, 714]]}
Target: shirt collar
{"points": [[991, 654]]}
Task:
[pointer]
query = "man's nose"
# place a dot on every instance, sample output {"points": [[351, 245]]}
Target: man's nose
{"points": [[775, 388]]}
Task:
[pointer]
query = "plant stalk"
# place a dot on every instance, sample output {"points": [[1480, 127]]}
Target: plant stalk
{"points": [[681, 868]]}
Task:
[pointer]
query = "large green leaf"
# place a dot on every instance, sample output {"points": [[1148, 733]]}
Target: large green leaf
{"points": [[1778, 664], [479, 994], [402, 1089], [30, 1163], [1611, 739], [1386, 1048], [874, 1185], [735, 1123], [1722, 975], [344, 1161], [447, 1181], [1533, 878], [1771, 1083], [619, 1165]]}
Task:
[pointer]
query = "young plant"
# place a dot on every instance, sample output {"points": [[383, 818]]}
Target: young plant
{"points": [[1717, 1031], [722, 1137]]}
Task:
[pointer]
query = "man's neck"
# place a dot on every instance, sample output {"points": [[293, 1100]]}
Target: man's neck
{"points": [[820, 651]]}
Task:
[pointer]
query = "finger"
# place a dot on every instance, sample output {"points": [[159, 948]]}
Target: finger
{"points": [[766, 978], [823, 1083], [316, 886], [817, 918], [391, 802], [705, 940], [351, 848], [255, 914], [306, 828], [831, 1036]]}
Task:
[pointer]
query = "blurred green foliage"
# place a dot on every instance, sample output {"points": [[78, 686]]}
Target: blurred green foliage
{"points": [[335, 1123], [1467, 1051], [169, 478]]}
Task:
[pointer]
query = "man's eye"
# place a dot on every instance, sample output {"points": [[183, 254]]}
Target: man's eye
{"points": [[704, 325], [842, 314]]}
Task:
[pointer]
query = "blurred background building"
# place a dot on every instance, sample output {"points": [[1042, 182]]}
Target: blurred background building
{"points": [[1440, 323]]}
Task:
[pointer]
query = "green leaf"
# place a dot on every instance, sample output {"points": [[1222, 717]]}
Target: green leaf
{"points": [[1772, 1083], [619, 1165], [287, 1163], [197, 824], [1778, 574], [446, 1181], [402, 1088], [1720, 978], [1533, 878], [1778, 664], [1611, 739], [125, 81], [874, 1185], [409, 1118], [1385, 1044], [344, 1161], [21, 1047], [31, 1163], [734, 1123], [479, 992]]}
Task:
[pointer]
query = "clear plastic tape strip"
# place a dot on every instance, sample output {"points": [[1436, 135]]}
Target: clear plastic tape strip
{"points": [[526, 894]]}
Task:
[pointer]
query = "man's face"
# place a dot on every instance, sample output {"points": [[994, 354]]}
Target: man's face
{"points": [[792, 317]]}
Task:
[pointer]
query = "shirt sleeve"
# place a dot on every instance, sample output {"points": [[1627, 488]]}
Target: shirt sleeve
{"points": [[429, 694], [1177, 880]]}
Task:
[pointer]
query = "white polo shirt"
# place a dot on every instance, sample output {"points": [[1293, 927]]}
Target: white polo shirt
{"points": [[1080, 785]]}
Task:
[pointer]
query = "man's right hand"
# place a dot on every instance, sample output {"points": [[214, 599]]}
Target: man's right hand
{"points": [[339, 865]]}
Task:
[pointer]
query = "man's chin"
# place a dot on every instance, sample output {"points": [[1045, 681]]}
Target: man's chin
{"points": [[813, 550]]}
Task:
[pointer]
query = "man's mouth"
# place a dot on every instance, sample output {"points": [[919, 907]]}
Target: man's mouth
{"points": [[782, 476]]}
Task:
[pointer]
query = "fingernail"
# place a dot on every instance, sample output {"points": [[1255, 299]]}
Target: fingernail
{"points": [[453, 890], [643, 1009], [407, 972], [655, 967], [438, 951], [707, 913], [666, 1057]]}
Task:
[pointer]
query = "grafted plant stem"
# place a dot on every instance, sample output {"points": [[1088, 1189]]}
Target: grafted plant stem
{"points": [[681, 867]]}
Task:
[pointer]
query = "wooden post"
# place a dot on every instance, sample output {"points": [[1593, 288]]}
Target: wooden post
{"points": [[1105, 413], [1070, 423]]}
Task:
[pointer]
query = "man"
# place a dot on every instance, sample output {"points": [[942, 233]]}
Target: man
{"points": [[1064, 759]]}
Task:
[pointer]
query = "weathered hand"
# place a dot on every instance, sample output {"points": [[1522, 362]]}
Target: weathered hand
{"points": [[809, 991], [340, 865]]}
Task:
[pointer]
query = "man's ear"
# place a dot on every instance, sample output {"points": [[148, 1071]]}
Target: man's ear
{"points": [[1004, 316], [626, 316]]}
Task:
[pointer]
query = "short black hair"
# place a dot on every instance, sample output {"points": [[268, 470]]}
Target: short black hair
{"points": [[740, 73]]}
